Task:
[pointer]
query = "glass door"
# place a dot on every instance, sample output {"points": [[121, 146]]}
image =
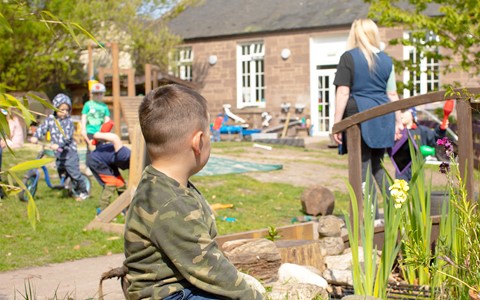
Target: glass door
{"points": [[325, 100]]}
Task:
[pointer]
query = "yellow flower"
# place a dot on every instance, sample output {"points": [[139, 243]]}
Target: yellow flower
{"points": [[398, 191]]}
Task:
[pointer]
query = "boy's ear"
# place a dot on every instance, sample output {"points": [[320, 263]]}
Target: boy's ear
{"points": [[197, 142]]}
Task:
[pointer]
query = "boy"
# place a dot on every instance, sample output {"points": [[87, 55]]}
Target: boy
{"points": [[422, 135], [63, 143], [105, 162], [217, 124], [170, 229], [94, 114]]}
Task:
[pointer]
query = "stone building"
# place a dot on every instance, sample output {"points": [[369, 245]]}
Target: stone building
{"points": [[264, 55]]}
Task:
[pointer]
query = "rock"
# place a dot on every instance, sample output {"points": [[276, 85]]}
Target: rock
{"points": [[300, 274], [339, 262], [292, 290], [318, 200], [338, 277], [344, 261], [330, 226], [332, 245], [253, 282], [257, 257]]}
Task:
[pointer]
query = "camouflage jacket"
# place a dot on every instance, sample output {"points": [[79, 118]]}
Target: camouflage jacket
{"points": [[169, 243]]}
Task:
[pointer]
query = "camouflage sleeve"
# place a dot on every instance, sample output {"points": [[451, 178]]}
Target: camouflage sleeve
{"points": [[182, 232]]}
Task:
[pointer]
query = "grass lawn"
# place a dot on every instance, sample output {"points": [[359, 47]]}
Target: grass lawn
{"points": [[60, 236]]}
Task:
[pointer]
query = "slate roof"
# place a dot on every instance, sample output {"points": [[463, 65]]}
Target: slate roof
{"points": [[217, 18]]}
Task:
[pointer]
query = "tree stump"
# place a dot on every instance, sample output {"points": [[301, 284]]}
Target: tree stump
{"points": [[301, 252]]}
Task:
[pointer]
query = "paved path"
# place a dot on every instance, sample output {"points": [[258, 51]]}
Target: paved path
{"points": [[78, 279]]}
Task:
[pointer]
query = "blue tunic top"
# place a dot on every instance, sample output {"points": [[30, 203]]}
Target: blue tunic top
{"points": [[369, 89]]}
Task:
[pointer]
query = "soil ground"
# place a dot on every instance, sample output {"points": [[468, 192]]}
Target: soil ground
{"points": [[317, 164]]}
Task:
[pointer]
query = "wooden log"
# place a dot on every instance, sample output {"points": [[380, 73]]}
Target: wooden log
{"points": [[301, 252], [303, 231], [257, 257]]}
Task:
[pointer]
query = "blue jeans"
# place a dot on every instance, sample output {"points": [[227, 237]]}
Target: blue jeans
{"points": [[192, 294], [71, 165], [216, 135]]}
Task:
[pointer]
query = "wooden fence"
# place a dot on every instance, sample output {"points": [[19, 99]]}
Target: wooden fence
{"points": [[465, 136]]}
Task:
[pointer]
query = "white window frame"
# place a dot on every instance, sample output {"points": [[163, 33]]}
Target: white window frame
{"points": [[429, 78], [251, 74], [183, 59]]}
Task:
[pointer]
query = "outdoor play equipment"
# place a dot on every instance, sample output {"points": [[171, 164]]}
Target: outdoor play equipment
{"points": [[230, 114], [447, 110], [32, 178]]}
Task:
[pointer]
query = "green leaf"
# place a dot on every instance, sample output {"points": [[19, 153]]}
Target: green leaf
{"points": [[4, 25], [41, 100], [33, 164], [32, 210]]}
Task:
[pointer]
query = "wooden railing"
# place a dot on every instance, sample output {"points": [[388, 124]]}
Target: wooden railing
{"points": [[351, 126]]}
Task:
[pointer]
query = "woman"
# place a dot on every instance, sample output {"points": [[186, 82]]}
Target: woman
{"points": [[365, 78]]}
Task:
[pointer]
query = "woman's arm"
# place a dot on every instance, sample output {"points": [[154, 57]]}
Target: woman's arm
{"points": [[341, 99], [393, 96]]}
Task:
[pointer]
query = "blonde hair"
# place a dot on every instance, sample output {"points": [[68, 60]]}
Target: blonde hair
{"points": [[364, 35]]}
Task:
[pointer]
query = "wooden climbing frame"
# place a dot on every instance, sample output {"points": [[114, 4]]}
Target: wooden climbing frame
{"points": [[138, 161]]}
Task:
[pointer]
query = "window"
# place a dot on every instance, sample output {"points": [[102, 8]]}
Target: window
{"points": [[250, 75], [427, 79], [183, 63]]}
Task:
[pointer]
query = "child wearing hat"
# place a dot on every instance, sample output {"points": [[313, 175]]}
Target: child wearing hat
{"points": [[94, 113], [422, 135], [62, 142]]}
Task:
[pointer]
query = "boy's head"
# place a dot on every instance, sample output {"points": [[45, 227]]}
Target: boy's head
{"points": [[64, 105], [170, 117], [98, 90]]}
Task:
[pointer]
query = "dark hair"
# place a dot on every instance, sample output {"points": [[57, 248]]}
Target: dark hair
{"points": [[168, 115]]}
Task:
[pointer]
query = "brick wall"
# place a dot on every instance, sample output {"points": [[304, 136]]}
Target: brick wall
{"points": [[285, 80]]}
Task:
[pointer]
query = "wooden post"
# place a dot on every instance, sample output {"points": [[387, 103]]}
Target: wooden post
{"points": [[101, 75], [137, 164], [155, 78], [148, 78], [465, 149], [354, 140], [138, 158], [285, 127], [116, 88], [90, 61], [131, 82]]}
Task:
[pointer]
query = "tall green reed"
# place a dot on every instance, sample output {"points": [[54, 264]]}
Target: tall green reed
{"points": [[372, 280], [459, 247]]}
